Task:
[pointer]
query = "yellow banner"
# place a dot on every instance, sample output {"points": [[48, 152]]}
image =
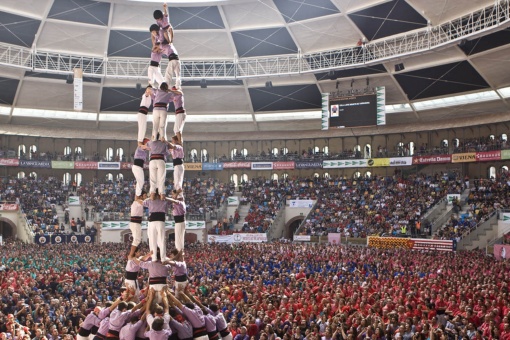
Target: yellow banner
{"points": [[378, 162], [193, 166], [464, 157], [390, 242]]}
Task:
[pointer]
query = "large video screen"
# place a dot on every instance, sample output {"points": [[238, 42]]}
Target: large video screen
{"points": [[354, 110]]}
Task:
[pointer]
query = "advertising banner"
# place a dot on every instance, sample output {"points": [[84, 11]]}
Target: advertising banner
{"points": [[410, 243], [451, 197], [62, 239], [220, 239], [302, 238], [488, 156], [108, 166], [9, 162], [505, 217], [262, 166], [212, 166], [378, 162], [74, 200], [250, 238], [432, 159], [129, 166], [237, 165], [401, 161], [62, 164], [464, 157], [505, 154], [233, 200], [301, 204], [501, 251], [34, 164], [193, 166], [344, 164], [334, 238], [8, 207], [85, 165], [308, 164], [168, 225], [169, 166], [283, 165]]}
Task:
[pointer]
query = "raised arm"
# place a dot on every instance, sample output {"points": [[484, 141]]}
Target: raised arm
{"points": [[175, 301]]}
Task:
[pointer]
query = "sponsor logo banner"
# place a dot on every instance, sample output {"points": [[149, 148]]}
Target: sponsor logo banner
{"points": [[501, 251], [505, 217], [262, 166], [108, 166], [334, 238], [74, 200], [35, 164], [505, 154], [300, 204], [410, 243], [9, 161], [451, 197], [464, 157], [85, 165], [121, 225], [193, 166], [401, 161], [220, 238], [129, 166], [432, 159], [8, 207], [250, 238], [346, 163], [60, 239], [283, 165], [237, 165], [169, 166], [378, 162], [233, 200], [212, 166], [301, 237], [308, 164], [488, 156], [62, 164]]}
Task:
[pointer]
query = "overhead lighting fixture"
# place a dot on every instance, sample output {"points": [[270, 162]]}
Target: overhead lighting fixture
{"points": [[203, 84], [138, 86], [70, 79], [399, 67], [269, 84]]}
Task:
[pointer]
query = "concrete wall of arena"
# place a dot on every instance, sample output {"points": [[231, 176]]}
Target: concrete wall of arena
{"points": [[12, 219], [123, 235], [291, 213], [503, 228]]}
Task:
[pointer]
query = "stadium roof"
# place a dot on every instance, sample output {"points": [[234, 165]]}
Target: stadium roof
{"points": [[467, 75]]}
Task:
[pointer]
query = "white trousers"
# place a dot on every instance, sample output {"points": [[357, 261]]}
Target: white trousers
{"points": [[139, 177], [180, 120], [157, 174], [159, 116], [173, 68], [178, 176], [156, 233], [158, 287], [180, 230], [136, 231], [142, 119], [155, 76], [228, 337], [180, 287]]}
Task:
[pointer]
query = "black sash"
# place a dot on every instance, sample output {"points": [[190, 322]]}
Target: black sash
{"points": [[136, 219], [181, 278], [224, 332], [131, 275], [154, 63], [157, 216], [178, 161], [138, 162], [157, 280], [198, 332]]}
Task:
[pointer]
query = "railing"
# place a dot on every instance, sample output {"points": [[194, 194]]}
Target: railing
{"points": [[120, 216], [307, 217], [471, 234], [479, 22], [270, 230]]}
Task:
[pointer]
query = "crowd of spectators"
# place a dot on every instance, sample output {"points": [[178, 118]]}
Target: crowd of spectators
{"points": [[485, 198], [486, 143], [378, 205], [278, 291]]}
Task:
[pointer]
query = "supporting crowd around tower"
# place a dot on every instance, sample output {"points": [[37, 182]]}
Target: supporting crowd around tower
{"points": [[158, 311]]}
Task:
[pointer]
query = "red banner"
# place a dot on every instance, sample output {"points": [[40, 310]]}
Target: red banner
{"points": [[283, 165], [237, 165], [9, 161], [488, 156], [85, 165], [432, 159], [8, 207]]}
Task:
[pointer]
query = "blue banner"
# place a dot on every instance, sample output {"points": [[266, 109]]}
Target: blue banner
{"points": [[308, 164], [212, 166], [34, 164], [59, 238]]}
